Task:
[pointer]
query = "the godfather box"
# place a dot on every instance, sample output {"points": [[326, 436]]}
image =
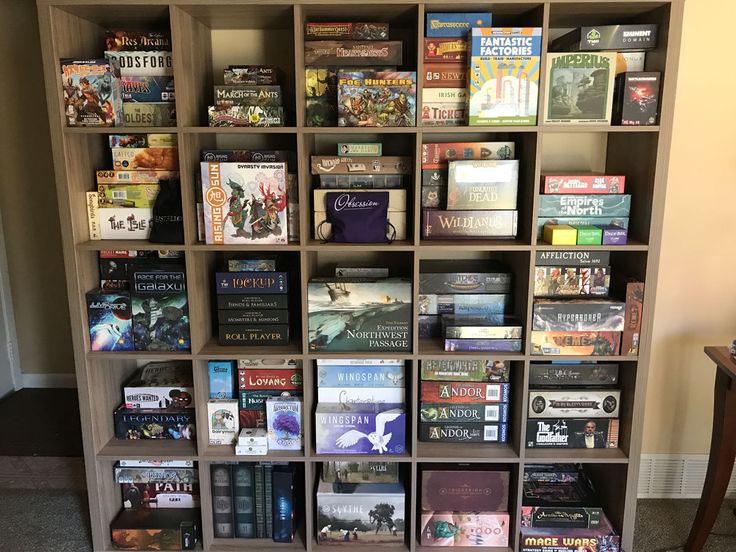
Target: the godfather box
{"points": [[482, 185], [605, 315], [443, 277], [360, 429], [495, 371], [573, 257], [572, 433], [154, 423], [432, 432], [465, 490], [574, 403], [446, 224], [573, 374], [156, 529]]}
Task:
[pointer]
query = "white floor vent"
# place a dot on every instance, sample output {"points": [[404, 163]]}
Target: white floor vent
{"points": [[675, 476]]}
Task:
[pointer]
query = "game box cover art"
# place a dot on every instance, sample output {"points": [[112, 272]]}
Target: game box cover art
{"points": [[360, 429], [109, 316], [354, 314], [92, 94], [244, 203], [377, 99]]}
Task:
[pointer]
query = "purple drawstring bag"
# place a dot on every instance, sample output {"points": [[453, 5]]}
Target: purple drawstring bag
{"points": [[357, 217]]}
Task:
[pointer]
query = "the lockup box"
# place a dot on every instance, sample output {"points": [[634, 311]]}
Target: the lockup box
{"points": [[574, 403], [485, 184], [360, 429], [346, 200], [465, 490], [560, 517], [572, 433], [348, 513]]}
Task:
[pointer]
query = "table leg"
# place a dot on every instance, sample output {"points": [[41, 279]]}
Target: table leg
{"points": [[720, 462]]}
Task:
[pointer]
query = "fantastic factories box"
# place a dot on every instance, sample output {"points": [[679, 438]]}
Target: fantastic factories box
{"points": [[360, 429]]}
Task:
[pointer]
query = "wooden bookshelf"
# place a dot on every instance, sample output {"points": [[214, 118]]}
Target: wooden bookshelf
{"points": [[208, 36]]}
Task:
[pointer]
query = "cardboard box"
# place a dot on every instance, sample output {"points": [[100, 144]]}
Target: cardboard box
{"points": [[465, 490], [341, 431]]}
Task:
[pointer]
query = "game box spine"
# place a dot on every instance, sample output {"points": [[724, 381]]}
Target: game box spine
{"points": [[463, 412], [576, 343], [155, 475], [244, 511], [494, 371], [574, 403], [265, 335], [583, 184], [454, 24], [171, 423], [573, 374], [570, 433], [258, 317], [239, 283], [439, 224], [482, 332], [222, 500], [353, 53], [438, 155], [560, 517], [284, 509], [631, 336], [573, 257], [221, 376], [260, 500], [464, 392], [578, 315], [256, 301], [464, 282], [584, 205], [442, 75], [463, 432], [480, 195], [268, 496], [238, 94], [346, 31], [157, 529], [284, 379], [347, 376], [483, 345], [445, 50], [245, 116], [335, 164], [486, 529], [129, 41]]}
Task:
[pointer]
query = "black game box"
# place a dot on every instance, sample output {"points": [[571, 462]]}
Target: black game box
{"points": [[476, 277], [253, 302], [156, 529], [254, 334], [607, 37], [578, 315], [573, 433], [154, 423], [560, 257], [636, 98]]}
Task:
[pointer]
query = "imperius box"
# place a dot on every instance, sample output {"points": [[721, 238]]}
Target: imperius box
{"points": [[560, 517], [596, 433], [245, 301], [496, 371], [636, 98], [154, 423], [555, 315], [346, 31], [254, 334], [574, 403], [458, 413], [438, 155], [335, 164], [465, 490], [608, 37], [469, 529], [483, 345], [443, 277], [352, 53], [485, 184], [462, 432], [464, 304], [156, 529], [583, 184], [443, 75], [600, 539], [251, 282], [349, 376], [361, 429], [584, 205], [438, 224], [576, 343], [360, 472], [464, 392], [571, 281], [573, 374], [238, 94]]}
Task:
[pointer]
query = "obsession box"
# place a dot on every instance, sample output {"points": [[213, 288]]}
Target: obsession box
{"points": [[472, 529], [364, 429], [464, 392], [496, 371], [465, 491], [574, 403]]}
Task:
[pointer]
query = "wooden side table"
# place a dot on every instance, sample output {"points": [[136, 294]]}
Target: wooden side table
{"points": [[722, 448]]}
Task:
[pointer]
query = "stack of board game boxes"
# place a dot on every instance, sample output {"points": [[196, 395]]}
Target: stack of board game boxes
{"points": [[464, 401], [254, 500], [252, 303], [587, 88], [141, 304], [160, 505], [158, 403], [352, 77], [263, 397], [572, 311], [561, 512], [250, 97], [469, 190], [583, 209], [464, 508], [360, 407], [466, 307], [121, 207], [360, 503], [359, 173]]}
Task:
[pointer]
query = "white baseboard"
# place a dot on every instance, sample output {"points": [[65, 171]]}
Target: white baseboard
{"points": [[675, 476], [50, 380]]}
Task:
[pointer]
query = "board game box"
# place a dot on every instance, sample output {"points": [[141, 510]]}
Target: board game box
{"points": [[221, 376], [360, 181], [142, 63], [245, 116], [475, 277], [477, 185], [111, 177], [124, 474], [285, 378], [376, 98], [441, 224], [267, 335], [251, 282], [620, 222], [238, 94], [346, 31], [347, 376], [109, 319], [445, 75], [504, 75], [156, 529], [574, 403], [250, 317], [244, 202], [361, 429], [583, 184], [591, 343], [260, 75], [465, 490], [495, 371], [128, 41], [357, 395], [157, 495], [455, 24], [154, 423], [573, 257], [147, 89], [572, 433], [636, 98], [608, 37], [149, 114], [141, 196], [336, 164], [284, 423], [580, 88], [584, 205], [244, 300], [489, 529], [247, 156], [573, 374], [438, 155], [92, 95], [459, 432], [469, 345], [443, 114], [460, 392], [634, 293], [454, 413], [560, 518], [353, 314], [567, 281], [151, 158], [222, 418], [445, 50], [600, 539], [464, 303], [360, 472], [353, 53], [553, 315]]}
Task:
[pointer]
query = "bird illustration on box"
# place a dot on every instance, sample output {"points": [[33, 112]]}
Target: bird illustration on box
{"points": [[379, 439]]}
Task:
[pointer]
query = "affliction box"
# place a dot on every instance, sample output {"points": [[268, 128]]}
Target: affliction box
{"points": [[283, 378], [574, 403], [438, 155], [360, 181], [378, 375], [454, 24], [455, 413], [573, 258], [147, 89], [346, 513], [458, 392], [574, 433], [573, 374], [469, 529], [360, 472], [583, 184], [465, 490], [353, 314], [284, 423], [329, 164], [483, 345], [464, 303], [346, 31], [154, 423], [439, 224], [480, 277], [621, 222], [560, 518], [253, 317], [239, 94], [222, 418], [447, 50], [252, 302], [608, 37], [567, 281], [578, 315], [576, 343], [600, 539], [352, 53], [254, 334], [363, 429], [482, 185], [251, 282], [496, 371], [468, 432], [442, 75], [156, 529], [165, 159], [245, 116]]}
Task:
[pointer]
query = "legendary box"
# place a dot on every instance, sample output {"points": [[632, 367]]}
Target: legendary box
{"points": [[482, 184], [452, 413], [154, 423], [464, 392], [465, 490], [495, 371], [585, 205], [465, 529], [352, 53], [364, 429], [438, 224], [578, 315], [576, 343], [438, 155], [573, 374], [574, 403]]}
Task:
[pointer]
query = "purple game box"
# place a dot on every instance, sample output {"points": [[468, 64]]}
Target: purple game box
{"points": [[364, 429]]}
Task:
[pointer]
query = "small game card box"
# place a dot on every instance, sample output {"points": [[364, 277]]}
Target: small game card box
{"points": [[222, 417]]}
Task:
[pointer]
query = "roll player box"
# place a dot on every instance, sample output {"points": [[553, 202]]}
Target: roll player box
{"points": [[350, 509], [482, 184], [268, 335], [156, 529], [504, 75], [465, 490], [572, 433], [576, 343], [583, 184], [574, 403], [109, 321], [363, 429], [578, 315], [636, 98], [464, 392], [495, 371], [284, 423], [222, 418], [473, 529], [573, 374], [437, 156]]}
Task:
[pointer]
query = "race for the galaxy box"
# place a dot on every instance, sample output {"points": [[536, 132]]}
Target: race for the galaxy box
{"points": [[576, 343], [359, 314], [455, 24], [584, 205], [363, 429], [496, 371], [487, 184], [464, 392], [109, 320], [572, 433], [371, 375], [465, 490], [360, 472], [346, 513], [465, 412], [463, 432], [156, 529], [465, 529]]}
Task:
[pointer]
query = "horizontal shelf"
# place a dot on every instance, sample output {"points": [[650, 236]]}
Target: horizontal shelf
{"points": [[164, 449], [238, 130], [474, 245], [470, 129], [238, 545], [227, 454], [215, 351], [407, 355], [473, 548], [604, 456], [406, 457], [584, 358], [359, 130], [121, 130], [582, 128], [266, 247], [466, 452], [138, 355], [124, 245], [632, 245], [402, 245], [434, 347]]}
